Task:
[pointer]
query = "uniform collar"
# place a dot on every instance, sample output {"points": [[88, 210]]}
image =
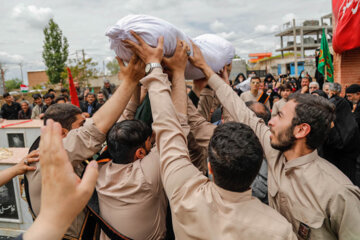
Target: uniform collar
{"points": [[301, 160], [235, 197]]}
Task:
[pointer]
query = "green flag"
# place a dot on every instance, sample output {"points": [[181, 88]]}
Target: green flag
{"points": [[325, 59]]}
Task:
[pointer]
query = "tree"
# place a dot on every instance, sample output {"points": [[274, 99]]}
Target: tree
{"points": [[113, 67], [82, 69], [55, 52], [12, 84]]}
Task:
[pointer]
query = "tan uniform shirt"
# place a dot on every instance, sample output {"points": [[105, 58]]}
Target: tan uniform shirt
{"points": [[277, 106], [80, 144], [248, 96], [207, 103], [200, 209], [309, 192], [132, 198]]}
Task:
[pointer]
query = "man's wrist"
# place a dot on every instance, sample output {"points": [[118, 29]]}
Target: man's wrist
{"points": [[153, 60]]}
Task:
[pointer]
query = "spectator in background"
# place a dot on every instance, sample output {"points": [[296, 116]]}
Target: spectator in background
{"points": [[285, 91], [254, 94], [10, 109], [52, 91], [36, 111], [25, 112], [60, 99], [326, 88], [91, 105], [79, 91], [304, 85], [335, 89], [313, 86], [108, 89], [101, 98], [64, 91], [353, 95], [48, 100]]}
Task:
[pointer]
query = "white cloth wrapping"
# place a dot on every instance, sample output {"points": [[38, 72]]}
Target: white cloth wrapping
{"points": [[217, 51]]}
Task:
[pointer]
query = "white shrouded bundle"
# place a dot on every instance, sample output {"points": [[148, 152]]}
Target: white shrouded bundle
{"points": [[217, 51]]}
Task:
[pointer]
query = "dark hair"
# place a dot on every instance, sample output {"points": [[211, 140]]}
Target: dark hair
{"points": [[285, 86], [264, 115], [64, 90], [235, 156], [236, 81], [321, 93], [256, 77], [49, 95], [316, 111], [65, 114], [125, 137], [5, 95], [50, 90], [90, 93], [59, 98], [36, 96]]}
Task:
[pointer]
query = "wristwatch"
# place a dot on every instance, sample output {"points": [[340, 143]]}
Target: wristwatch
{"points": [[150, 66]]}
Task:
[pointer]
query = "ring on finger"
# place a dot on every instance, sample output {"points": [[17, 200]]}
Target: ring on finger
{"points": [[188, 53], [26, 162]]}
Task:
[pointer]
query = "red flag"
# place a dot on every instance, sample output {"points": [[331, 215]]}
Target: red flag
{"points": [[73, 93], [347, 20]]}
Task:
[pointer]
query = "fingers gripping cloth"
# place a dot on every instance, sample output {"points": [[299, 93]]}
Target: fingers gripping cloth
{"points": [[217, 51]]}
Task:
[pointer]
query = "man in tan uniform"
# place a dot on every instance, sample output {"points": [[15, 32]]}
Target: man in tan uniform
{"points": [[200, 208], [311, 193], [83, 139], [254, 94], [285, 93]]}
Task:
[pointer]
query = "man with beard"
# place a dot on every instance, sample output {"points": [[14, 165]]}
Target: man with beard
{"points": [[353, 95], [312, 194]]}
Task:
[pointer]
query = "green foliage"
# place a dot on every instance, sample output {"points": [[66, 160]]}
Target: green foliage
{"points": [[55, 52], [236, 56], [113, 67], [12, 84], [82, 69]]}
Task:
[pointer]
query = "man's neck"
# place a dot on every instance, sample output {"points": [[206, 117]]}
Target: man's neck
{"points": [[254, 92], [9, 103], [298, 150]]}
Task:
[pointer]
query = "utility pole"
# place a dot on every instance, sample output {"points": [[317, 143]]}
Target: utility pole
{"points": [[22, 77], [2, 80]]}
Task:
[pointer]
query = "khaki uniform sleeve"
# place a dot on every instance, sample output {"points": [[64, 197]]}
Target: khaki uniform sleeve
{"points": [[129, 112], [175, 166], [344, 214], [201, 129], [206, 103], [82, 143], [240, 113]]}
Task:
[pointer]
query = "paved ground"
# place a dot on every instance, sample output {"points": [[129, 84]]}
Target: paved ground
{"points": [[5, 238]]}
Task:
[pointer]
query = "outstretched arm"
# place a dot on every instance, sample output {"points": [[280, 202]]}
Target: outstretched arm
{"points": [[175, 166], [234, 105], [111, 111]]}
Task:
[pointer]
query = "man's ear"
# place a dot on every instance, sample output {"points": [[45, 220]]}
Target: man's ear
{"points": [[302, 130], [64, 132], [140, 153]]}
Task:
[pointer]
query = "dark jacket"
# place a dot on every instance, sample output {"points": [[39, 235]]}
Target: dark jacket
{"points": [[94, 107], [26, 115], [10, 111], [342, 145]]}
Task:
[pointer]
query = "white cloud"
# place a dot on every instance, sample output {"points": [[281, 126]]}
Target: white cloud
{"points": [[230, 36], [266, 29], [217, 26], [288, 17], [10, 59], [35, 16]]}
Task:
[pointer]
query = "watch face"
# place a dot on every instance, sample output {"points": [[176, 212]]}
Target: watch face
{"points": [[147, 68]]}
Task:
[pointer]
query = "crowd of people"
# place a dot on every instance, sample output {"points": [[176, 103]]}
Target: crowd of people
{"points": [[248, 159]]}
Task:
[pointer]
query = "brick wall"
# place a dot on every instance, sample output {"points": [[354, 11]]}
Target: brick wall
{"points": [[347, 67], [38, 77]]}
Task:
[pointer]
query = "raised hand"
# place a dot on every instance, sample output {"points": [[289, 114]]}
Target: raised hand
{"points": [[147, 53], [177, 62], [134, 71]]}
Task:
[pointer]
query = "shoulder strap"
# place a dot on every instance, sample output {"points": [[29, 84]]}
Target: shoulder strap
{"points": [[263, 98], [112, 233], [34, 146]]}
